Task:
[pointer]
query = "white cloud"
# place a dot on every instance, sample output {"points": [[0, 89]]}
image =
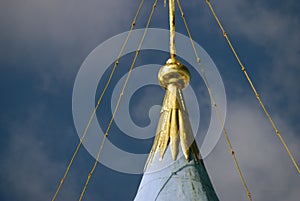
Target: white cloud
{"points": [[52, 38], [268, 171]]}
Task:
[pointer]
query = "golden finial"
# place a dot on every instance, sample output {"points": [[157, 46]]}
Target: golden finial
{"points": [[174, 125]]}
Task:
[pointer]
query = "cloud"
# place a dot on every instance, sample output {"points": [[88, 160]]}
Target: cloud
{"points": [[63, 21], [51, 39], [268, 171]]}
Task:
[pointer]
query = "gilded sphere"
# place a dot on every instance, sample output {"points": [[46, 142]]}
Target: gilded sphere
{"points": [[174, 73]]}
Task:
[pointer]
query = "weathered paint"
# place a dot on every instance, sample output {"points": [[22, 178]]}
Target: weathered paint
{"points": [[179, 180]]}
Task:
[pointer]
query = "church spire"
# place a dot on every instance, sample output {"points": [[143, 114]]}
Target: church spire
{"points": [[174, 169], [174, 122]]}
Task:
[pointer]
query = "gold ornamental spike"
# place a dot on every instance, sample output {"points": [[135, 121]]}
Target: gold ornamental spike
{"points": [[164, 134], [174, 138], [171, 104], [185, 133], [174, 125]]}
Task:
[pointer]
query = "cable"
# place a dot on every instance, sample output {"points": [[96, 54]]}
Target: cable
{"points": [[253, 87], [118, 103], [214, 104], [98, 102]]}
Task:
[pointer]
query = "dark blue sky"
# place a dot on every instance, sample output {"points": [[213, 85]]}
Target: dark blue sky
{"points": [[43, 44]]}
